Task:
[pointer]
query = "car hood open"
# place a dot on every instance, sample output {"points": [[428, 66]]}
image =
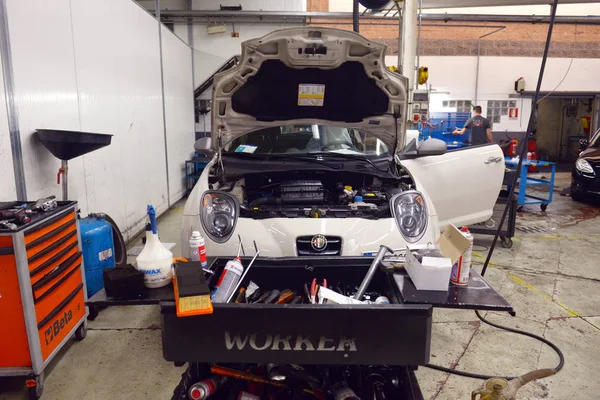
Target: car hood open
{"points": [[310, 75]]}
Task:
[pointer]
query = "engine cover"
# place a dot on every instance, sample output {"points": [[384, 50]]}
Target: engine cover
{"points": [[307, 192]]}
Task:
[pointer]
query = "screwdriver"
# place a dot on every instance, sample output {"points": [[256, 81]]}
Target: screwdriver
{"points": [[286, 296]]}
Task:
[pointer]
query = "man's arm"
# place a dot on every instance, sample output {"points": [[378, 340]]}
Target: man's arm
{"points": [[489, 135], [463, 130]]}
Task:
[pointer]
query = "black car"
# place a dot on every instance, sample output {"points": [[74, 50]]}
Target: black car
{"points": [[586, 172]]}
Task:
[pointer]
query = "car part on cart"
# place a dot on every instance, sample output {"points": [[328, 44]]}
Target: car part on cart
{"points": [[123, 282], [206, 387], [45, 204], [8, 225], [371, 272], [502, 389], [257, 252], [192, 294]]}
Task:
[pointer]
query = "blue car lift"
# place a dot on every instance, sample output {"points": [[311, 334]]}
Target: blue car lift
{"points": [[525, 182]]}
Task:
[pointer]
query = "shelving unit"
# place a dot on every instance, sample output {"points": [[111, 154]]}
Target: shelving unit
{"points": [[525, 181], [193, 170]]}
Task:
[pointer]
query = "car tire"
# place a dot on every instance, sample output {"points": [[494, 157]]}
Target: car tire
{"points": [[576, 196]]}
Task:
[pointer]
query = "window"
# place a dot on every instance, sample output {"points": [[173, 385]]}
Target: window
{"points": [[461, 105], [498, 108]]}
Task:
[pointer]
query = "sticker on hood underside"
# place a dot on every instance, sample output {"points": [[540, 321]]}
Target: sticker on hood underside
{"points": [[246, 148], [310, 94]]}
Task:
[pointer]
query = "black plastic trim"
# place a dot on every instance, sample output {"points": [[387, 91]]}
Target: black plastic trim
{"points": [[57, 284], [53, 246], [7, 251], [48, 277], [50, 222]]}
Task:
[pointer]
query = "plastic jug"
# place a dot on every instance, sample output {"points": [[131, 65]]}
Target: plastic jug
{"points": [[155, 261]]}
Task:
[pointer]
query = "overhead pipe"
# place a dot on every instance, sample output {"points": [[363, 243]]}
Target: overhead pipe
{"points": [[264, 16]]}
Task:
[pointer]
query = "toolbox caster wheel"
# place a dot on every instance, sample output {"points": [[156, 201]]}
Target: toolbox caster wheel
{"points": [[35, 386], [507, 243], [544, 207], [520, 209], [93, 313], [81, 331]]}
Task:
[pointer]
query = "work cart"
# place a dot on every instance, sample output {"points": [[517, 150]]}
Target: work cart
{"points": [[527, 182], [389, 340], [42, 291], [490, 227]]}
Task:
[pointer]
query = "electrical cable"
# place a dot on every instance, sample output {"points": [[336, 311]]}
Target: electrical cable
{"points": [[501, 224]]}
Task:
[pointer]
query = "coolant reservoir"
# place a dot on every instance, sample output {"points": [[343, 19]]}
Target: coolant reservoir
{"points": [[155, 261]]}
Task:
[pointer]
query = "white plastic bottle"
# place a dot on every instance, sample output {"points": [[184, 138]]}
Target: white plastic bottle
{"points": [[228, 280], [155, 261], [198, 248], [461, 270]]}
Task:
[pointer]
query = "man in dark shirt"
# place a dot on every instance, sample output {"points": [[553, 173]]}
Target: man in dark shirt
{"points": [[480, 129]]}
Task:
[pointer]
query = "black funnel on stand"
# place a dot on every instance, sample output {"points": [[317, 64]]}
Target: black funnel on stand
{"points": [[66, 145]]}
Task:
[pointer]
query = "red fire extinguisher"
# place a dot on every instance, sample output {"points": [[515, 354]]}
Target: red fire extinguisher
{"points": [[512, 149]]}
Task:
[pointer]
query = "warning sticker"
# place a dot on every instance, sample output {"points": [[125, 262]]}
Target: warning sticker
{"points": [[310, 94], [105, 255]]}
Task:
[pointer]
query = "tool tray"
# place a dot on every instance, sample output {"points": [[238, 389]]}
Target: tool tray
{"points": [[328, 334]]}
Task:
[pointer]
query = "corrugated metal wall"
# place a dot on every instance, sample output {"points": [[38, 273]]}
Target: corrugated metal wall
{"points": [[95, 66]]}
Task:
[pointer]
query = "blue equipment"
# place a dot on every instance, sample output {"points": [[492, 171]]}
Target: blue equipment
{"points": [[98, 251], [442, 124]]}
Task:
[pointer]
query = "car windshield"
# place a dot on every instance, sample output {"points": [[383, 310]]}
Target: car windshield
{"points": [[307, 139], [595, 140]]}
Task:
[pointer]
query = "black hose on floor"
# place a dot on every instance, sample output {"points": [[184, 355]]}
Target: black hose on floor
{"points": [[554, 347]]}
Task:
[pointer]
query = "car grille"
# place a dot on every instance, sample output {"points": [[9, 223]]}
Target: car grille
{"points": [[333, 248]]}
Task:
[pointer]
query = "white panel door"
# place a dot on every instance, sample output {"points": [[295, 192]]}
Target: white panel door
{"points": [[8, 190], [45, 90], [118, 72], [179, 109], [463, 185]]}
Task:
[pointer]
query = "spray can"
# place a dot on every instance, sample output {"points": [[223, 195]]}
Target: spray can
{"points": [[207, 387], [228, 280], [462, 268], [198, 248], [341, 391]]}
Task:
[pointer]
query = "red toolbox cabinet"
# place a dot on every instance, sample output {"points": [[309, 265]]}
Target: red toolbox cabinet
{"points": [[42, 292]]}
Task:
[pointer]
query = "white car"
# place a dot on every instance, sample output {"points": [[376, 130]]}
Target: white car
{"points": [[310, 156]]}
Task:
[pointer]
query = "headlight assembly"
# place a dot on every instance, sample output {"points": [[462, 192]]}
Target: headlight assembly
{"points": [[583, 166], [410, 211], [218, 213]]}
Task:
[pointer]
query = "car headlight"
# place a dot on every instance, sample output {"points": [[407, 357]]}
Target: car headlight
{"points": [[218, 213], [583, 166], [410, 211]]}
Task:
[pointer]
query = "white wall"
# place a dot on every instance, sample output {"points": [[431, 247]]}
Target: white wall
{"points": [[8, 189], [95, 67], [453, 78], [179, 109]]}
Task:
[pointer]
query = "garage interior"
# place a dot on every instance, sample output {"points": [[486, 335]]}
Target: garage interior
{"points": [[102, 109]]}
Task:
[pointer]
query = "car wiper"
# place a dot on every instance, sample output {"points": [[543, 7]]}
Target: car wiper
{"points": [[285, 156], [354, 157]]}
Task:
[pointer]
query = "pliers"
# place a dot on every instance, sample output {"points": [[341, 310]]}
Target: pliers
{"points": [[314, 291]]}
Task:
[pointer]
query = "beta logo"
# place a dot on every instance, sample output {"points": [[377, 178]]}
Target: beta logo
{"points": [[57, 326]]}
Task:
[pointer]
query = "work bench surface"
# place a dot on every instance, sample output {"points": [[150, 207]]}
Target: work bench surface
{"points": [[478, 295]]}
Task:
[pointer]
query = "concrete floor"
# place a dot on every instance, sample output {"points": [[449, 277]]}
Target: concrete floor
{"points": [[551, 276]]}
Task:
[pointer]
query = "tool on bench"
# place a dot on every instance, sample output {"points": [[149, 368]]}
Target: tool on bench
{"points": [[285, 297], [45, 204], [17, 216], [8, 225], [314, 290], [257, 252], [268, 297], [371, 272]]}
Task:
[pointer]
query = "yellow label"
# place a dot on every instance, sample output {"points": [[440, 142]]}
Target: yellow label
{"points": [[310, 94], [194, 303]]}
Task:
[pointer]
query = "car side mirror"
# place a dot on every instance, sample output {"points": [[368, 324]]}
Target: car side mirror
{"points": [[204, 146], [429, 147], [584, 143], [432, 147]]}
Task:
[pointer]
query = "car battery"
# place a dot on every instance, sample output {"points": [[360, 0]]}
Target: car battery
{"points": [[316, 334]]}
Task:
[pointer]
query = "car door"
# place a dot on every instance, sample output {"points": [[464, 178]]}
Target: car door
{"points": [[463, 185]]}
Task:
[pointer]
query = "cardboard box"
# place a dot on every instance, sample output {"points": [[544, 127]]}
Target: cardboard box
{"points": [[433, 273]]}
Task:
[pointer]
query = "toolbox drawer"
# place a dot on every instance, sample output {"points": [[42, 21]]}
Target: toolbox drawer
{"points": [[61, 321], [54, 287], [394, 334]]}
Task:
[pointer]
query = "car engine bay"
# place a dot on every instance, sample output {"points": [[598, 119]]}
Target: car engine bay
{"points": [[312, 194]]}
